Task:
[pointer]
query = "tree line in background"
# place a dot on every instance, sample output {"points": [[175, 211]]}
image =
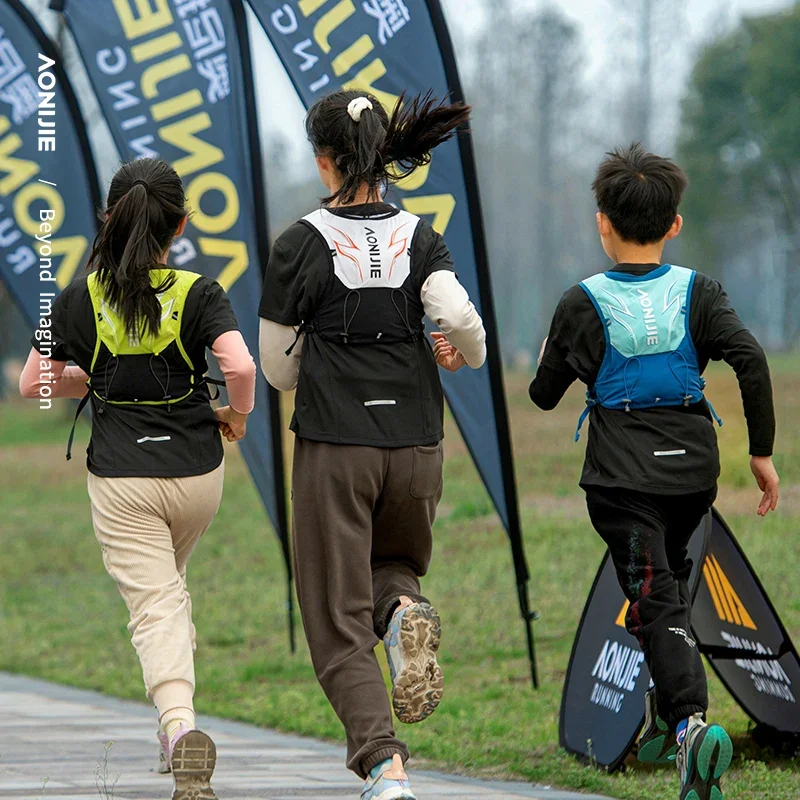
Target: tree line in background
{"points": [[541, 127]]}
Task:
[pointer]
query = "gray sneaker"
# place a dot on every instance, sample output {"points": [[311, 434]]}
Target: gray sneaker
{"points": [[411, 643]]}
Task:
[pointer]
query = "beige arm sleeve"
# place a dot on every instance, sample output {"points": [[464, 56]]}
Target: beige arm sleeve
{"points": [[280, 370], [447, 303]]}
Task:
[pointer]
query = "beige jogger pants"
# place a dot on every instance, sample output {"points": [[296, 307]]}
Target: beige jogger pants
{"points": [[147, 529]]}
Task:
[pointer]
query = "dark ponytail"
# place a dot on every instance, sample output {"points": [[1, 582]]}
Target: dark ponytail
{"points": [[377, 149], [145, 206]]}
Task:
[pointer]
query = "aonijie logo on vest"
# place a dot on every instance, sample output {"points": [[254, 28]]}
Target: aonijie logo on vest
{"points": [[650, 324], [375, 264]]}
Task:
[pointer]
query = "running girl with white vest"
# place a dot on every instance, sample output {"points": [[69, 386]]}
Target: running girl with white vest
{"points": [[138, 331], [640, 337], [345, 294]]}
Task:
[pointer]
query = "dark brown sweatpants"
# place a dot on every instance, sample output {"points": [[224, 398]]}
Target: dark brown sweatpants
{"points": [[362, 539]]}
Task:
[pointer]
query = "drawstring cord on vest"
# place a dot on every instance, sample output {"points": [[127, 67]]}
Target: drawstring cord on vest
{"points": [[687, 397], [165, 388], [629, 391], [115, 359], [303, 328], [345, 334], [412, 336]]}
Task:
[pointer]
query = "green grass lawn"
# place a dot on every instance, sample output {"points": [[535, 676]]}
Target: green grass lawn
{"points": [[61, 617]]}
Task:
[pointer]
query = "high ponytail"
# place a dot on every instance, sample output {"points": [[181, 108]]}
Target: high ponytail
{"points": [[369, 147], [418, 128], [145, 206]]}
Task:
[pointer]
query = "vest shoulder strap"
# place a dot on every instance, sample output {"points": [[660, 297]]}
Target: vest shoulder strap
{"points": [[368, 253]]}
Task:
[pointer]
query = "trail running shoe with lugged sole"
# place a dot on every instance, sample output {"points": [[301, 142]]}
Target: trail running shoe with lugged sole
{"points": [[411, 643], [657, 745], [379, 787], [703, 758], [193, 760]]}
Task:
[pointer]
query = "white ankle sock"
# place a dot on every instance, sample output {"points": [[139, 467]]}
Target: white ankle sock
{"points": [[174, 718]]}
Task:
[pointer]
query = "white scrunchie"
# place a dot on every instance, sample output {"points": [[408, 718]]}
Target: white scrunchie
{"points": [[356, 108]]}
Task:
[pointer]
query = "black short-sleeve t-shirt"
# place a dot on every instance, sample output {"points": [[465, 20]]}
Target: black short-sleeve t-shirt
{"points": [[147, 441], [299, 271]]}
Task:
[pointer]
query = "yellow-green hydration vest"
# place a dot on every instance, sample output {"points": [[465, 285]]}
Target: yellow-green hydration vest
{"points": [[139, 361]]}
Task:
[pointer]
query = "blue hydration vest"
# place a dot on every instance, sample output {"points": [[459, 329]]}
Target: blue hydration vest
{"points": [[650, 359]]}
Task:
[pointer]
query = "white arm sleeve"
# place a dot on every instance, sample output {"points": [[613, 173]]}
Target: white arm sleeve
{"points": [[280, 370], [447, 303]]}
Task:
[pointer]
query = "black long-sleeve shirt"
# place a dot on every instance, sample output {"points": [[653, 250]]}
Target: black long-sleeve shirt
{"points": [[621, 444]]}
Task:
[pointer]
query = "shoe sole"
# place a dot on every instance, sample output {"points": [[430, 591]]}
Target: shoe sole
{"points": [[193, 762], [657, 746], [657, 751], [419, 686], [712, 761]]}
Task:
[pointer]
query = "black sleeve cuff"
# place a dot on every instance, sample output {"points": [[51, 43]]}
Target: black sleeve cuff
{"points": [[279, 318], [761, 452], [224, 328]]}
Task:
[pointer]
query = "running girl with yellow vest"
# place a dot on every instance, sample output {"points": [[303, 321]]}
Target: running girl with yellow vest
{"points": [[138, 331], [345, 294]]}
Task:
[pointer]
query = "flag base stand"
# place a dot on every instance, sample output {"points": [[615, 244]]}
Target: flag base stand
{"points": [[736, 628]]}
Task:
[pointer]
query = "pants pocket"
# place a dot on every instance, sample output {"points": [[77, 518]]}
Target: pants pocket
{"points": [[426, 474]]}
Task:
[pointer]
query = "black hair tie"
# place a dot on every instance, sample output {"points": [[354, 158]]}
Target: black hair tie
{"points": [[141, 183]]}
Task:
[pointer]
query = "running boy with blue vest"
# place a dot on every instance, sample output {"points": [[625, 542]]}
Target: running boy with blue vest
{"points": [[640, 336]]}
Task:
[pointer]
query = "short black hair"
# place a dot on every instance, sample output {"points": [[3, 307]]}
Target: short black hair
{"points": [[639, 192]]}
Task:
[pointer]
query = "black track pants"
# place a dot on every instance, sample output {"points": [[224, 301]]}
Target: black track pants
{"points": [[648, 537]]}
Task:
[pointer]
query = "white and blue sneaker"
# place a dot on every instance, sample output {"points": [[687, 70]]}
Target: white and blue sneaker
{"points": [[380, 787], [704, 756], [411, 642]]}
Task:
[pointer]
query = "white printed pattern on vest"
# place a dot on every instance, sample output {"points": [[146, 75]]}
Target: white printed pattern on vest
{"points": [[368, 253]]}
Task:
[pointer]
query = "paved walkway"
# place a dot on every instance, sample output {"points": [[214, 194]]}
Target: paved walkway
{"points": [[57, 733]]}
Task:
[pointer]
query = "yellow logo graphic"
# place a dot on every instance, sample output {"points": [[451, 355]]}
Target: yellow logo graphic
{"points": [[726, 602]]}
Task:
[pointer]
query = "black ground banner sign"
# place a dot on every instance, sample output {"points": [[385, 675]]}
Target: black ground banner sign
{"points": [[174, 81], [739, 631], [48, 183], [602, 708]]}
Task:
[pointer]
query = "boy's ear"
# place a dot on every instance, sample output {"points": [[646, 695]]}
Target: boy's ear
{"points": [[604, 226], [676, 228], [182, 226]]}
